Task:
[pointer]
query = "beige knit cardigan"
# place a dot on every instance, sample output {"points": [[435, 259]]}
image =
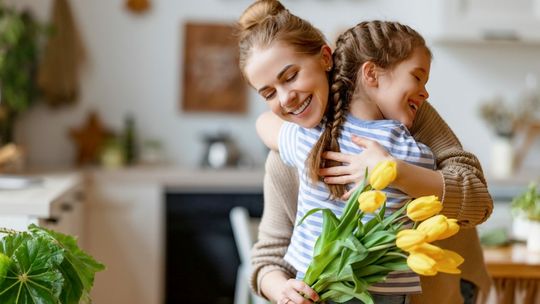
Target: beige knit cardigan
{"points": [[465, 198]]}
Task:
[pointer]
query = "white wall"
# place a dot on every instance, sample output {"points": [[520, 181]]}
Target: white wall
{"points": [[136, 63]]}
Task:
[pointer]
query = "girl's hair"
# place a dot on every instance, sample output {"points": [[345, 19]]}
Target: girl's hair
{"points": [[267, 21], [384, 43]]}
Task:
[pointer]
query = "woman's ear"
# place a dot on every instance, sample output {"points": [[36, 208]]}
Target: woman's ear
{"points": [[326, 58], [368, 74]]}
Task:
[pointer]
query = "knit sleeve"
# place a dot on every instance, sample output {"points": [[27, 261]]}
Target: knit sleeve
{"points": [[466, 196], [275, 229]]}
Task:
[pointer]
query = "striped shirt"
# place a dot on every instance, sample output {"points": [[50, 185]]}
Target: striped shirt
{"points": [[296, 142]]}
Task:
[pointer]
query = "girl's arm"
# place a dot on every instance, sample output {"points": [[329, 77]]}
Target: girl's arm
{"points": [[268, 126], [459, 181]]}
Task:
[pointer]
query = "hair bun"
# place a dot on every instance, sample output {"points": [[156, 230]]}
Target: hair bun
{"points": [[259, 11]]}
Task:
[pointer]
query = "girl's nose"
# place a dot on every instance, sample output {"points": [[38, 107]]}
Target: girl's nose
{"points": [[424, 93]]}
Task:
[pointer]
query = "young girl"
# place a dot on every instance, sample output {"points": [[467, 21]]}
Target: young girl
{"points": [[289, 71]]}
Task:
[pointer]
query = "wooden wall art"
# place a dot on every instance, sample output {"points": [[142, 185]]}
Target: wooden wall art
{"points": [[212, 81]]}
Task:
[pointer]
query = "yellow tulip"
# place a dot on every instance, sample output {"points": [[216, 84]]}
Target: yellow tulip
{"points": [[453, 228], [383, 174], [371, 200], [434, 227], [423, 207], [422, 264], [449, 262], [409, 238], [430, 250]]}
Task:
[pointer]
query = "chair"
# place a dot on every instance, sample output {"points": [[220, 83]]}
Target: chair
{"points": [[245, 233]]}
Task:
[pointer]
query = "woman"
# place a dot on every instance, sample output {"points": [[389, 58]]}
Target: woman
{"points": [[460, 176]]}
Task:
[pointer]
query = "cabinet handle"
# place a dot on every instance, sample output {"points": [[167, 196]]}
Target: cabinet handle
{"points": [[66, 207], [51, 220]]}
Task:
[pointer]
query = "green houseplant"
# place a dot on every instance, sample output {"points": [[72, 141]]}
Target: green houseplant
{"points": [[19, 37], [526, 212], [44, 266]]}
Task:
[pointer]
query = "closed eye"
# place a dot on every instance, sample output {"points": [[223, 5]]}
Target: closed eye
{"points": [[268, 95], [291, 77]]}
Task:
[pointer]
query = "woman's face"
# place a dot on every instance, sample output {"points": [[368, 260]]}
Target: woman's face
{"points": [[294, 85]]}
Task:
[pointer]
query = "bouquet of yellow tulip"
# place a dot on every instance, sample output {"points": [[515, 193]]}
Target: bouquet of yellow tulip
{"points": [[350, 255]]}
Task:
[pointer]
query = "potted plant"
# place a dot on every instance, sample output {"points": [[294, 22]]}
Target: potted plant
{"points": [[526, 212], [504, 120], [19, 34], [43, 266]]}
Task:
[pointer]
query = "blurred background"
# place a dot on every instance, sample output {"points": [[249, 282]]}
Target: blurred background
{"points": [[143, 102]]}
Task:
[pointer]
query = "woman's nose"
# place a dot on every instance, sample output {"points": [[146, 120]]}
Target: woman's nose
{"points": [[286, 98]]}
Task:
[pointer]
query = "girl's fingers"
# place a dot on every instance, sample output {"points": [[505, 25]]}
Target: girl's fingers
{"points": [[339, 180], [347, 194], [337, 156], [333, 171], [360, 141]]}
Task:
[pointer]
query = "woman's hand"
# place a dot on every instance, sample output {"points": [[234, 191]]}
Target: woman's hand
{"points": [[354, 165], [297, 292]]}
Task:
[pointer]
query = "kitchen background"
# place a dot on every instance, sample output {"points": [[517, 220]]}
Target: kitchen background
{"points": [[135, 61], [484, 50]]}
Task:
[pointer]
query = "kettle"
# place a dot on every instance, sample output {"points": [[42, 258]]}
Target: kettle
{"points": [[220, 152]]}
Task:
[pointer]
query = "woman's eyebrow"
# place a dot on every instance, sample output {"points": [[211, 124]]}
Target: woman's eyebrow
{"points": [[278, 76]]}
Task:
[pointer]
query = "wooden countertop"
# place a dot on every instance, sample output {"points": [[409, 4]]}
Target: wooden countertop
{"points": [[513, 261]]}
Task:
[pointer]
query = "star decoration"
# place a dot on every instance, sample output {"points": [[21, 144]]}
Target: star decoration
{"points": [[138, 6], [89, 139]]}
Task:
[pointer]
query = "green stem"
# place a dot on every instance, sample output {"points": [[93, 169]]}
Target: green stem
{"points": [[399, 218], [381, 247], [397, 254], [8, 231]]}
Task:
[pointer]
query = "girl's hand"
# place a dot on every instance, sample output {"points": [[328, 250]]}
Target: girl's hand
{"points": [[297, 292], [354, 165]]}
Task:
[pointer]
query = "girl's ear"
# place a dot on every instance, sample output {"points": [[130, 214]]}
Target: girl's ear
{"points": [[326, 58], [368, 74]]}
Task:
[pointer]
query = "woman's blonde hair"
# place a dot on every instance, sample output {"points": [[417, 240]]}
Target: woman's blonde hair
{"points": [[267, 21]]}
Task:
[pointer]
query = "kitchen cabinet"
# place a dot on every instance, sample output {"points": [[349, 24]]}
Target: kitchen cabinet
{"points": [[56, 202], [480, 21], [126, 225]]}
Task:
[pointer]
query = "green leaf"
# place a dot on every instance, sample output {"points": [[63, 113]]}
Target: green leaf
{"points": [[379, 238], [78, 268], [32, 276], [5, 262], [330, 221], [372, 257]]}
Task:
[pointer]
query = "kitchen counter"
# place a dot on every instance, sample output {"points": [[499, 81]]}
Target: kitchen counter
{"points": [[35, 200], [174, 177]]}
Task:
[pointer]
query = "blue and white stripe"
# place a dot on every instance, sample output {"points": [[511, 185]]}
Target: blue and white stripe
{"points": [[296, 142]]}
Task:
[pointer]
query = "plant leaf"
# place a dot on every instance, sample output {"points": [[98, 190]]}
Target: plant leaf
{"points": [[78, 268], [32, 276]]}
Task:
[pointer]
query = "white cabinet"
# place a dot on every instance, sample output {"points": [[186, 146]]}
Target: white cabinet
{"points": [[125, 226], [55, 202], [488, 20], [67, 215]]}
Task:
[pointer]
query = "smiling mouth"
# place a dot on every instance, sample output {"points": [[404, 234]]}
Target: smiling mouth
{"points": [[413, 106], [302, 107]]}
